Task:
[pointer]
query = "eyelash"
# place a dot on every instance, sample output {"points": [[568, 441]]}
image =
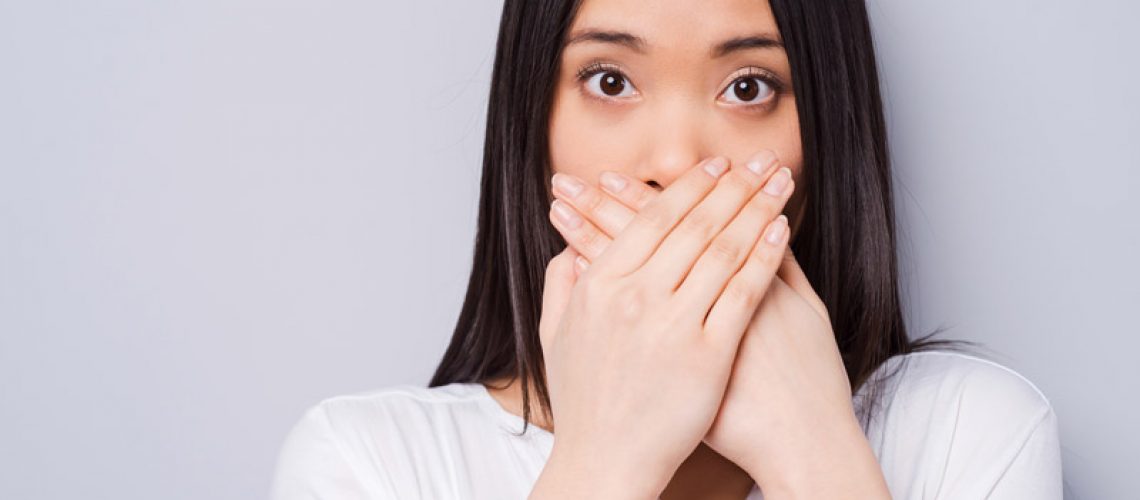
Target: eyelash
{"points": [[770, 79]]}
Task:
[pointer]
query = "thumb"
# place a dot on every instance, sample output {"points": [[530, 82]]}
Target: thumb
{"points": [[560, 278]]}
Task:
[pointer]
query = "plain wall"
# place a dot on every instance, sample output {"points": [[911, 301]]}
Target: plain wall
{"points": [[214, 214]]}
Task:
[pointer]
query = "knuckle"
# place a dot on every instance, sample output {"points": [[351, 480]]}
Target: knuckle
{"points": [[698, 224], [591, 201], [764, 208], [587, 239], [737, 182], [724, 251], [742, 293], [628, 303], [656, 218], [768, 257]]}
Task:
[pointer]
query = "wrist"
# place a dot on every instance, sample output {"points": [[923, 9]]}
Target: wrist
{"points": [[572, 474], [839, 465]]}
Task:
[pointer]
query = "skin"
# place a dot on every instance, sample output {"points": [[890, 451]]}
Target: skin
{"points": [[663, 113], [677, 106]]}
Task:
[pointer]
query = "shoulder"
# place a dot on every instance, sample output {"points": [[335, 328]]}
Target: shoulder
{"points": [[965, 427], [348, 444], [383, 421], [932, 388], [394, 403], [951, 379]]}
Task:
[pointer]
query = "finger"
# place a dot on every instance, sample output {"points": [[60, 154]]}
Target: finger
{"points": [[597, 206], [681, 248], [630, 192], [559, 280], [733, 309], [728, 251], [580, 265], [579, 233], [644, 233], [791, 272]]}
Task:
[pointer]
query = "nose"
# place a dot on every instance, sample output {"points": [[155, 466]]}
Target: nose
{"points": [[672, 146]]}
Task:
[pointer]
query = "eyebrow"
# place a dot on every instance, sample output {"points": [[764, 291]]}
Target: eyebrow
{"points": [[639, 45]]}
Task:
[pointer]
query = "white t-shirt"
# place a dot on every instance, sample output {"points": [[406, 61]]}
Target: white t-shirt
{"points": [[951, 426]]}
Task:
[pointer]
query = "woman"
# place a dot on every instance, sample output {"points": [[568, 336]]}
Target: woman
{"points": [[689, 341]]}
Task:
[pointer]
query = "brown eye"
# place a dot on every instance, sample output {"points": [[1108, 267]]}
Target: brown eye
{"points": [[746, 90], [612, 83], [609, 84]]}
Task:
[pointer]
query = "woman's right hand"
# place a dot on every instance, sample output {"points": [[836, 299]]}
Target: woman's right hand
{"points": [[639, 347]]}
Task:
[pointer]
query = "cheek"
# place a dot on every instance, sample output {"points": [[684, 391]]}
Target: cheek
{"points": [[779, 131], [792, 145], [783, 135], [584, 141], [794, 150], [577, 145]]}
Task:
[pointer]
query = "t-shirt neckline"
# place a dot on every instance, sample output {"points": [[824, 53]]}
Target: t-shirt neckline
{"points": [[512, 422]]}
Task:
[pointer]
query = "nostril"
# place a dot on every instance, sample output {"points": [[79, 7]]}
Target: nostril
{"points": [[654, 185]]}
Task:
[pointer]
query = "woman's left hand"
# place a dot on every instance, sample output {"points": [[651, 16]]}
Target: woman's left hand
{"points": [[787, 416]]}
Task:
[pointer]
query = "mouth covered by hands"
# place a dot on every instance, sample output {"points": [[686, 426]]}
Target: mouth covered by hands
{"points": [[679, 316]]}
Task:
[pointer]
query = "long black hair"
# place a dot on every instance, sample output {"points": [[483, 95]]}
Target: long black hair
{"points": [[846, 236]]}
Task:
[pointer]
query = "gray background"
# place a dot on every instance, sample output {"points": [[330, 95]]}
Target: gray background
{"points": [[215, 213]]}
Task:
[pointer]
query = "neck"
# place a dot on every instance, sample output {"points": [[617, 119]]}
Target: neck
{"points": [[508, 393]]}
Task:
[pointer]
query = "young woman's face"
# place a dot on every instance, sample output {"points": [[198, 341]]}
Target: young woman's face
{"points": [[649, 89]]}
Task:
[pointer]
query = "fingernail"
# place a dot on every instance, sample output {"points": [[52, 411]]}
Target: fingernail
{"points": [[581, 264], [567, 184], [566, 214], [778, 182], [613, 183], [776, 231], [716, 166], [761, 162]]}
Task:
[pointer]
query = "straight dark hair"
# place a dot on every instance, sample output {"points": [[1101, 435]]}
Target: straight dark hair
{"points": [[846, 240]]}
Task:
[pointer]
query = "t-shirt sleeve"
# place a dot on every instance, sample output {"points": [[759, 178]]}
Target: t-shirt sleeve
{"points": [[313, 465], [960, 427], [996, 438], [1035, 470]]}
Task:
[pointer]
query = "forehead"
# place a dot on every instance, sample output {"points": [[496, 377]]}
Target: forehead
{"points": [[677, 24]]}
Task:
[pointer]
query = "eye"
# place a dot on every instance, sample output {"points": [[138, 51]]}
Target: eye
{"points": [[752, 89], [605, 82]]}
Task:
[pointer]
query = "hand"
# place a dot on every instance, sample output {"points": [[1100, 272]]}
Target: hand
{"points": [[639, 347], [788, 375], [787, 417]]}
